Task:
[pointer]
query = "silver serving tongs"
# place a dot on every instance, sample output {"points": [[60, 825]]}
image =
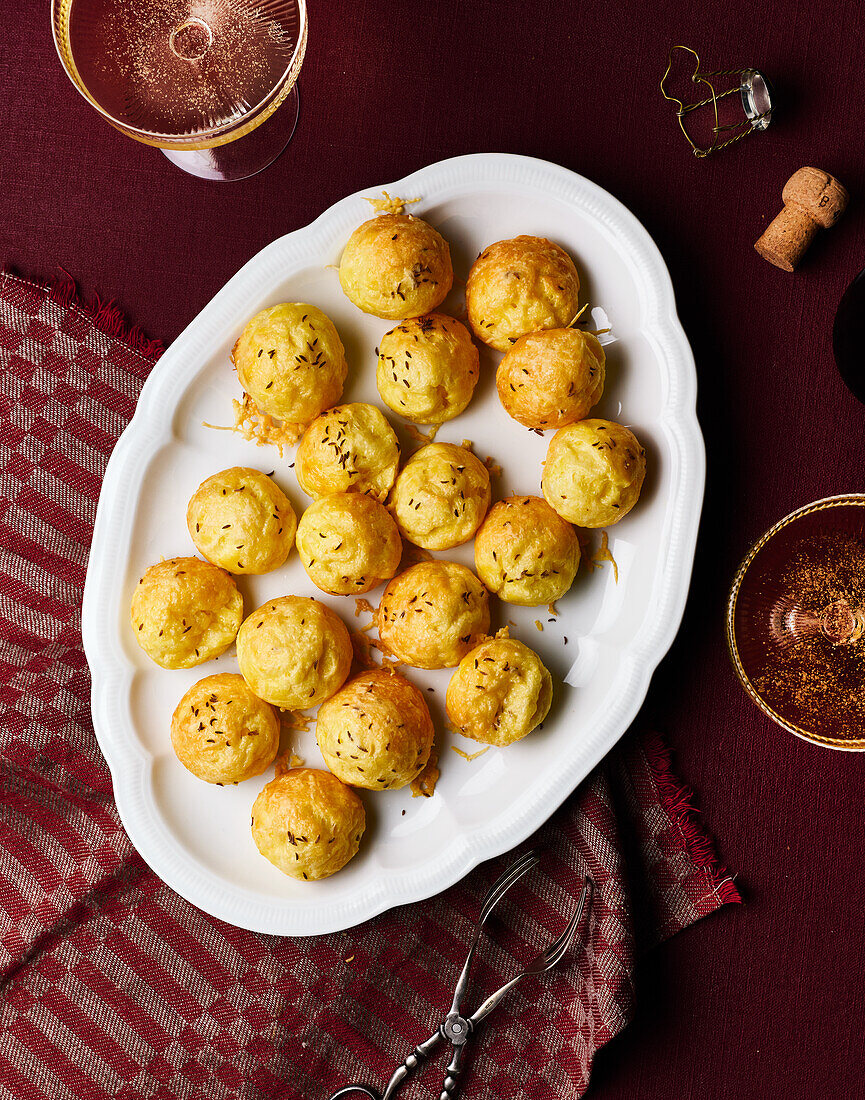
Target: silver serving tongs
{"points": [[457, 1028]]}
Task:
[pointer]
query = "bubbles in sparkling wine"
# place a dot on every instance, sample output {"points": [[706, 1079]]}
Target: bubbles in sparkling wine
{"points": [[191, 39], [181, 67]]}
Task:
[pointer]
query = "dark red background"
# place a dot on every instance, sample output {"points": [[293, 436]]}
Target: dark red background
{"points": [[763, 1000]]}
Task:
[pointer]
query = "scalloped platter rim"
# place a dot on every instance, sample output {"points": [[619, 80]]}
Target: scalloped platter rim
{"points": [[602, 646]]}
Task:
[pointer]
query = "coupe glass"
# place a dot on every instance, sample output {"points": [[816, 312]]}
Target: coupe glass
{"points": [[796, 622], [191, 77]]}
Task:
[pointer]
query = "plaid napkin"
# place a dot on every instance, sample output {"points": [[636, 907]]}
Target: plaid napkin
{"points": [[112, 986]]}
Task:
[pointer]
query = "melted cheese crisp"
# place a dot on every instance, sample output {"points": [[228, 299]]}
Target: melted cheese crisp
{"points": [[257, 427]]}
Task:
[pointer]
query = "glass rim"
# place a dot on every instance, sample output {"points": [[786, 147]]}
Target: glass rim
{"points": [[821, 505], [151, 137]]}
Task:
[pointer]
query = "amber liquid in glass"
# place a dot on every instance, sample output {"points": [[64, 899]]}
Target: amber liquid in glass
{"points": [[801, 628]]}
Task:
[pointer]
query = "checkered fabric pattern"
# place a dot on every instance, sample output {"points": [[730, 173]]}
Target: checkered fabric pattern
{"points": [[112, 986]]}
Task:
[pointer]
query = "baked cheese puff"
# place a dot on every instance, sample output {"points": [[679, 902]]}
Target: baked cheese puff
{"points": [[291, 362], [431, 615], [593, 472], [427, 369], [499, 693], [242, 521], [223, 733], [348, 449], [525, 552], [376, 732], [520, 286], [294, 652], [185, 611], [348, 543], [308, 823], [551, 378], [396, 266], [441, 496]]}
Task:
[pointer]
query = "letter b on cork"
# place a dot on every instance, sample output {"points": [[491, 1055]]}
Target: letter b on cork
{"points": [[812, 200]]}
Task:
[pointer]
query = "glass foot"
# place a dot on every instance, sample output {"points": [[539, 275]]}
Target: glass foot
{"points": [[249, 155]]}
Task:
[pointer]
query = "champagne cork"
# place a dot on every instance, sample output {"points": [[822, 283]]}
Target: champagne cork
{"points": [[812, 200]]}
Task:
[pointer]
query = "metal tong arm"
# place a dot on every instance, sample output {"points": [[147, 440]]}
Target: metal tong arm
{"points": [[455, 1028], [417, 1057], [546, 960], [494, 895], [449, 1087]]}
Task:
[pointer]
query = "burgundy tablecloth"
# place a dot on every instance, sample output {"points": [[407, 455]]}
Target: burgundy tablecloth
{"points": [[767, 1000]]}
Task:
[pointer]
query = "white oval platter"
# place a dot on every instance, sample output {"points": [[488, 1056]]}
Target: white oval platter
{"points": [[196, 836]]}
